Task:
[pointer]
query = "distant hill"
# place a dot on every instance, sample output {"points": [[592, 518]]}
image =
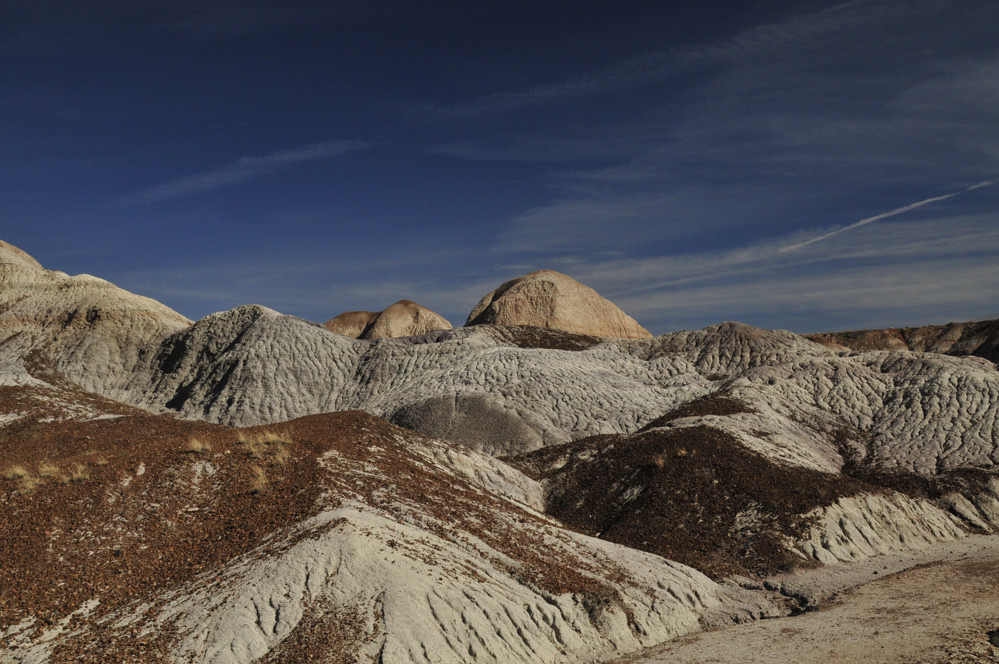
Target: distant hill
{"points": [[979, 338], [405, 318], [555, 301]]}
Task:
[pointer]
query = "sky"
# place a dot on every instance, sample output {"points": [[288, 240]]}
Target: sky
{"points": [[806, 165]]}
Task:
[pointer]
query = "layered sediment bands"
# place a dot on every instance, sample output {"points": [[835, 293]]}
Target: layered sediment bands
{"points": [[979, 338]]}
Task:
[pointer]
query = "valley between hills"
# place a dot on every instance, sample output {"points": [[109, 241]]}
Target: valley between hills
{"points": [[548, 482]]}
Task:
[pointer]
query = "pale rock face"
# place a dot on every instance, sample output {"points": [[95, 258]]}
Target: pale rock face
{"points": [[91, 330], [552, 300], [456, 567], [11, 255], [447, 594], [858, 527], [411, 613], [405, 318]]}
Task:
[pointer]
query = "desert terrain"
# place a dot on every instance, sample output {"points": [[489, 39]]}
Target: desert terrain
{"points": [[547, 483]]}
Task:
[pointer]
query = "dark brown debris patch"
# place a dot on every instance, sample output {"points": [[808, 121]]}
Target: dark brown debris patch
{"points": [[694, 495], [717, 403]]}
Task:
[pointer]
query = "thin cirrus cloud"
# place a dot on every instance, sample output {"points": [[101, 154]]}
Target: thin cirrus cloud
{"points": [[630, 72], [241, 170], [663, 65]]}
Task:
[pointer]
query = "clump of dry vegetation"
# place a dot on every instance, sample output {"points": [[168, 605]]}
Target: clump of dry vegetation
{"points": [[266, 445], [280, 456], [78, 473], [29, 483], [16, 473], [26, 482], [197, 446], [49, 471], [259, 481]]}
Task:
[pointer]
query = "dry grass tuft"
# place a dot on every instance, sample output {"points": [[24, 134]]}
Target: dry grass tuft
{"points": [[100, 460], [259, 481], [48, 470], [255, 449], [16, 473], [280, 456], [660, 461], [78, 473], [195, 446], [264, 444], [29, 483], [26, 482]]}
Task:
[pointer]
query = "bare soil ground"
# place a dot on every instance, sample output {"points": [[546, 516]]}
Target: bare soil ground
{"points": [[940, 610]]}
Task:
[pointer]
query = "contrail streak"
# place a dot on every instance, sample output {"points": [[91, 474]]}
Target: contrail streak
{"points": [[885, 215]]}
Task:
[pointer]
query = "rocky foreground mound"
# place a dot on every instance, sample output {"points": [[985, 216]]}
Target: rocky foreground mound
{"points": [[552, 300], [130, 537], [405, 318]]}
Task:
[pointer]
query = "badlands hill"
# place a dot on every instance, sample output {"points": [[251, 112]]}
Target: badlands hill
{"points": [[553, 496], [980, 338], [552, 300], [91, 330], [405, 318]]}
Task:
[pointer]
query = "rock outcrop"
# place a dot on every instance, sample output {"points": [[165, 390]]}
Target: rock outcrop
{"points": [[405, 318], [351, 323], [551, 300], [87, 328], [980, 338]]}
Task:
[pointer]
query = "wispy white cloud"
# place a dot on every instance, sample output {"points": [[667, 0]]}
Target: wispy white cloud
{"points": [[935, 291], [246, 168], [315, 280], [791, 124]]}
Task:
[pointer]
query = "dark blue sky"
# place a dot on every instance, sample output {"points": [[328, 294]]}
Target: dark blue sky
{"points": [[803, 165]]}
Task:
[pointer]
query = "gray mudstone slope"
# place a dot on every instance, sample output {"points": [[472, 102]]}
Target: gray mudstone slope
{"points": [[809, 405], [252, 365], [922, 413]]}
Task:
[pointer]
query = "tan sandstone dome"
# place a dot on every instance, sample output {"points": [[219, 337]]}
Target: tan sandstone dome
{"points": [[405, 318], [89, 329], [553, 300]]}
